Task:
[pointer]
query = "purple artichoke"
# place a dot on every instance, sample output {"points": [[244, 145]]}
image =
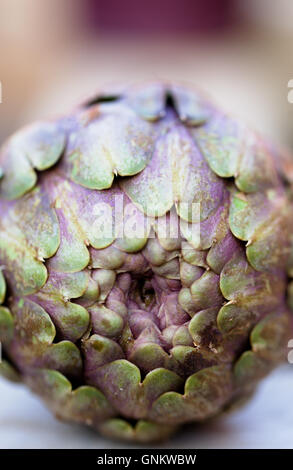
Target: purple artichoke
{"points": [[173, 320]]}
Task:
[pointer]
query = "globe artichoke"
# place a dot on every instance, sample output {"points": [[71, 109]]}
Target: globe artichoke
{"points": [[134, 332]]}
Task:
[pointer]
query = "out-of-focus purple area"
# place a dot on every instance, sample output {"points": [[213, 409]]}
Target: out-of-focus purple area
{"points": [[134, 16]]}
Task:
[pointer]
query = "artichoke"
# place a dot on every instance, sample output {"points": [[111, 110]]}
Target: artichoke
{"points": [[135, 332]]}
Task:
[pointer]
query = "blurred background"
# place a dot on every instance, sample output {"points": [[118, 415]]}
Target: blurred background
{"points": [[53, 54]]}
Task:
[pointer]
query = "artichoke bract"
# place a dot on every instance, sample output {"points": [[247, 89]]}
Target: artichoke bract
{"points": [[146, 254]]}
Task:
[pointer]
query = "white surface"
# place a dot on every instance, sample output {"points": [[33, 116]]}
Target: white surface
{"points": [[265, 422]]}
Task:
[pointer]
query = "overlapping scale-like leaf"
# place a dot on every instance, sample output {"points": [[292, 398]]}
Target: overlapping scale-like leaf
{"points": [[2, 288], [31, 340], [257, 170], [143, 431], [196, 403], [149, 102], [233, 150], [85, 404], [241, 284], [29, 233], [37, 147], [6, 335], [251, 295], [117, 142], [71, 319], [220, 141], [120, 381], [186, 179], [262, 219], [191, 107]]}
